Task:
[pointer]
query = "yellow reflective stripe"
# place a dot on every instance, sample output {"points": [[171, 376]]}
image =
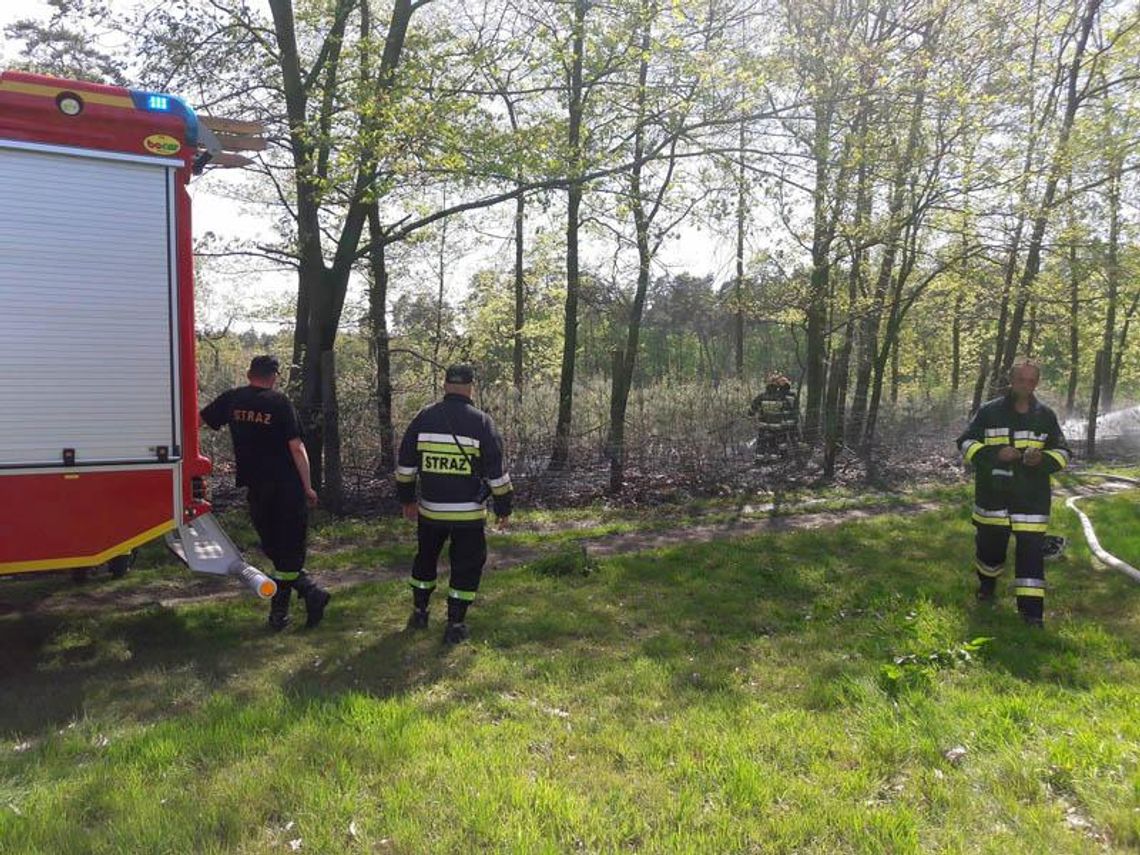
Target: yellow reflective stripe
{"points": [[448, 439], [447, 448], [88, 560], [1023, 526], [420, 583], [1029, 592], [448, 516], [1002, 521], [502, 491], [987, 570], [973, 448], [466, 596], [405, 479], [1061, 458], [1028, 443], [997, 440], [285, 577], [123, 101]]}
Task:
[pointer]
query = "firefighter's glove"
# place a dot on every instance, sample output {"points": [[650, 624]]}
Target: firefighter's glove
{"points": [[1008, 454]]}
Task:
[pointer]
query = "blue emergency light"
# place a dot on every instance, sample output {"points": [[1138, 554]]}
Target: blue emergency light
{"points": [[156, 102]]}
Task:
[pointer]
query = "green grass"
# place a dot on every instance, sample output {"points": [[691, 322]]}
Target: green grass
{"points": [[341, 543], [779, 693]]}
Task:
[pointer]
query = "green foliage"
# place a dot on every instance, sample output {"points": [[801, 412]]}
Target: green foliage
{"points": [[69, 44], [916, 671], [574, 560], [489, 314]]}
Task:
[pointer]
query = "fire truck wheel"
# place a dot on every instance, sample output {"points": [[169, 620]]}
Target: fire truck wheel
{"points": [[120, 564]]}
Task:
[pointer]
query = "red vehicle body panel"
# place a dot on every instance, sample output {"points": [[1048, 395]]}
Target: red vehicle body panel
{"points": [[80, 519], [75, 517]]}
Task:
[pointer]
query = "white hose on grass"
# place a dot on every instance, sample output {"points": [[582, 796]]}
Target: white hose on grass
{"points": [[1105, 557]]}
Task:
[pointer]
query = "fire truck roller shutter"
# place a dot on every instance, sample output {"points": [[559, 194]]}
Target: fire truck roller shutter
{"points": [[87, 296]]}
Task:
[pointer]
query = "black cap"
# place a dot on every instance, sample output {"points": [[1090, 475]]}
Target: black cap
{"points": [[461, 374], [263, 366]]}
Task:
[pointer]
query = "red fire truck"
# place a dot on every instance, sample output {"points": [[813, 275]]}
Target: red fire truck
{"points": [[98, 386]]}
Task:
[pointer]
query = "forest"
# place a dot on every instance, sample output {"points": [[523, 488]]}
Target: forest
{"points": [[894, 200]]}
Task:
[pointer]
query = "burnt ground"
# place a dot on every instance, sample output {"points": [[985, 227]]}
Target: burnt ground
{"points": [[676, 479]]}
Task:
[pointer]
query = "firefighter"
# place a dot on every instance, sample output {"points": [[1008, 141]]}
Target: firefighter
{"points": [[778, 414], [455, 452], [1014, 443], [273, 466]]}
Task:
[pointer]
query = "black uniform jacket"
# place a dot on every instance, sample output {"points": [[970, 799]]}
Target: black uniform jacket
{"points": [[451, 476], [777, 408], [1013, 494]]}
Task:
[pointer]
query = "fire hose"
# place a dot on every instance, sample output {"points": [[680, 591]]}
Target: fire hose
{"points": [[1104, 556]]}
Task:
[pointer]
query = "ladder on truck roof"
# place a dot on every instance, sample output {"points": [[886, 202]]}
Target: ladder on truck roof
{"points": [[221, 139]]}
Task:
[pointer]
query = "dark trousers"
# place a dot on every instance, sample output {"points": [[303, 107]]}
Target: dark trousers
{"points": [[281, 518], [991, 544], [468, 554]]}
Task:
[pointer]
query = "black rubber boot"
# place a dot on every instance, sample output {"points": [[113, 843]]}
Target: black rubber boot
{"points": [[279, 606], [418, 619], [455, 633], [316, 600]]}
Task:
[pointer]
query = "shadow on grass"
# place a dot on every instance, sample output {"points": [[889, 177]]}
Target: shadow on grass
{"points": [[148, 664], [839, 602]]}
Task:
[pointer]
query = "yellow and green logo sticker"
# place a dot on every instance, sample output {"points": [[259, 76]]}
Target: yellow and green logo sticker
{"points": [[162, 144]]}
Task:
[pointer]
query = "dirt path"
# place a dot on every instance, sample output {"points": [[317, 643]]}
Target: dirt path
{"points": [[184, 588]]}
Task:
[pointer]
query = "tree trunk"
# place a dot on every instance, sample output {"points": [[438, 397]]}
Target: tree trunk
{"points": [[1074, 323], [1094, 406], [1058, 163], [441, 271], [980, 385], [642, 219], [895, 373], [1112, 277], [741, 213], [560, 454], [1123, 338], [381, 347], [333, 494], [956, 348], [520, 299], [321, 288], [616, 444], [994, 367], [823, 232], [1035, 122], [864, 410], [835, 406]]}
